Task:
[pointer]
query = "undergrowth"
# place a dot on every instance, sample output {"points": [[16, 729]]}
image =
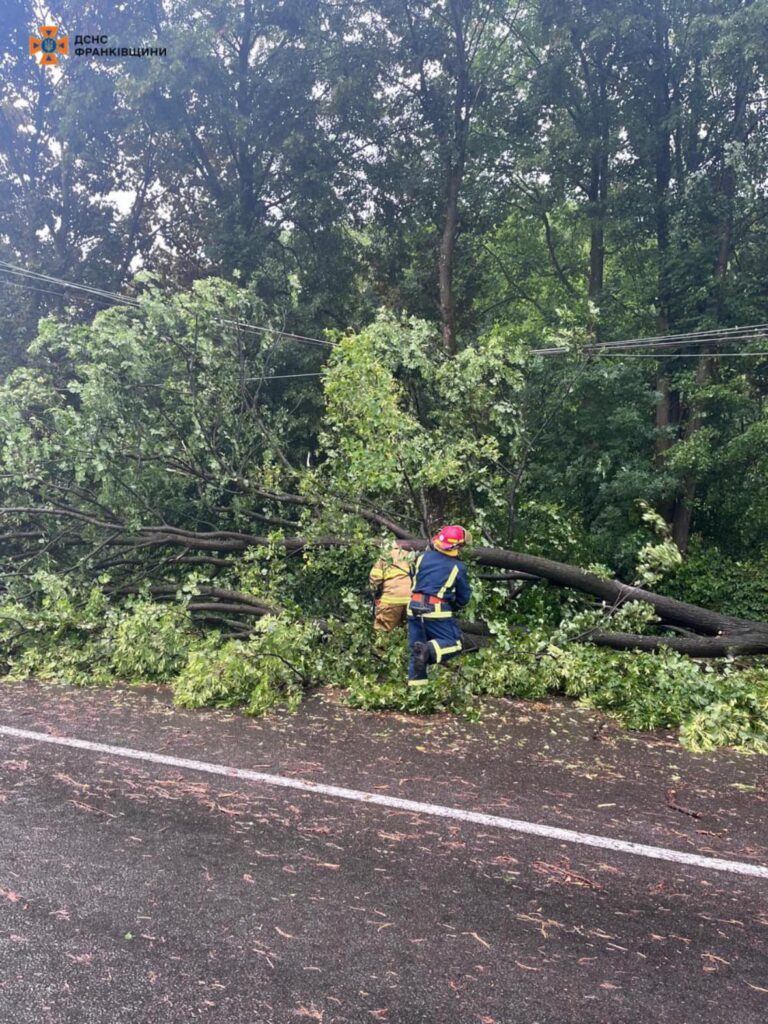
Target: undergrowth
{"points": [[84, 638]]}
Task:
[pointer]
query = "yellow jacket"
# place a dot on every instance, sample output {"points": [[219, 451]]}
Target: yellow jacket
{"points": [[394, 572]]}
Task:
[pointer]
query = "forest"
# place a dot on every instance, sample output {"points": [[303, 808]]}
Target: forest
{"points": [[329, 273]]}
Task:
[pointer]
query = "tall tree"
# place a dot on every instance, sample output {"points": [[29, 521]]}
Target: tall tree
{"points": [[432, 67], [582, 68], [62, 169]]}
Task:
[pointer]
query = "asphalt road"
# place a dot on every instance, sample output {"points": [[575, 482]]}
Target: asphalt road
{"points": [[132, 891]]}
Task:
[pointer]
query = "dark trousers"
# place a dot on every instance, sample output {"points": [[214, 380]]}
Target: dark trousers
{"points": [[442, 635]]}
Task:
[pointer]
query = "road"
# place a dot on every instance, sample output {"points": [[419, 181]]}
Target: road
{"points": [[132, 890]]}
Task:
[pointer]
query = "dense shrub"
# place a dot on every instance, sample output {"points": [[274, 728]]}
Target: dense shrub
{"points": [[713, 704], [59, 633]]}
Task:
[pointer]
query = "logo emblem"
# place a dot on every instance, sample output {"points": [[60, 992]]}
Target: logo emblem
{"points": [[48, 45]]}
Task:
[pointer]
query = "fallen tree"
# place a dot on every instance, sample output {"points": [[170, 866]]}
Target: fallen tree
{"points": [[705, 633]]}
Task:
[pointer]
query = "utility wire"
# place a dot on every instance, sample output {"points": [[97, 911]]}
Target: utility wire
{"points": [[680, 355], [47, 291], [274, 330], [690, 334], [277, 376], [716, 335], [33, 275], [713, 336], [126, 300], [727, 336], [285, 376]]}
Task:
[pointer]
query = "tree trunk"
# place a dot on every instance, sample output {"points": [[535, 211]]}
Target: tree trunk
{"points": [[597, 195], [597, 124], [446, 258], [718, 634], [455, 156], [681, 520], [681, 525], [667, 401]]}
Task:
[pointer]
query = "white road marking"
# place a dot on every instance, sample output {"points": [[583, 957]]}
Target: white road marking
{"points": [[563, 835]]}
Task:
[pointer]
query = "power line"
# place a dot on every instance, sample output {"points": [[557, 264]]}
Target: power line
{"points": [[126, 300], [60, 282], [240, 324], [689, 334], [714, 336], [30, 287], [722, 335], [181, 391], [274, 330], [165, 387], [680, 355], [47, 291], [286, 376]]}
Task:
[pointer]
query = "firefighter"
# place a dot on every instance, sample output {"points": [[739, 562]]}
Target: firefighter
{"points": [[390, 584], [440, 589]]}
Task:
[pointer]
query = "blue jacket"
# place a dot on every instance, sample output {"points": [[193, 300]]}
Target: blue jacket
{"points": [[442, 576]]}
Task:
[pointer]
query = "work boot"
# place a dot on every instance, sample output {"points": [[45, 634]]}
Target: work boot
{"points": [[420, 656]]}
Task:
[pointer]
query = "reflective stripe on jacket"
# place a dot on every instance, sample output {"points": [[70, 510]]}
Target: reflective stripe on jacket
{"points": [[442, 578], [394, 574]]}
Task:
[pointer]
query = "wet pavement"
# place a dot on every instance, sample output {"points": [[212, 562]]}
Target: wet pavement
{"points": [[139, 892]]}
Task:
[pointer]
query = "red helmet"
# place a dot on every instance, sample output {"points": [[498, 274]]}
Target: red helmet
{"points": [[450, 538]]}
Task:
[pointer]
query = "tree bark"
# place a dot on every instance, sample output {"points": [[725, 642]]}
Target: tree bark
{"points": [[667, 399], [717, 634], [694, 647], [597, 195], [446, 259], [681, 524], [455, 156]]}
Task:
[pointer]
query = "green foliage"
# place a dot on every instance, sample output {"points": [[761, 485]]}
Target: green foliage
{"points": [[375, 680], [295, 174], [712, 705], [265, 572], [393, 426], [62, 634], [509, 667], [268, 670], [656, 560], [446, 690], [738, 718], [151, 642], [156, 423], [56, 633], [736, 586], [79, 638]]}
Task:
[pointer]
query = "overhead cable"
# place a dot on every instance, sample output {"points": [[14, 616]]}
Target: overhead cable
{"points": [[680, 355], [47, 291], [713, 336], [127, 300], [286, 376], [274, 330], [35, 276]]}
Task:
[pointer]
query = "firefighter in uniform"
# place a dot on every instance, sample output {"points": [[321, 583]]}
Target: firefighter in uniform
{"points": [[440, 589], [390, 584]]}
